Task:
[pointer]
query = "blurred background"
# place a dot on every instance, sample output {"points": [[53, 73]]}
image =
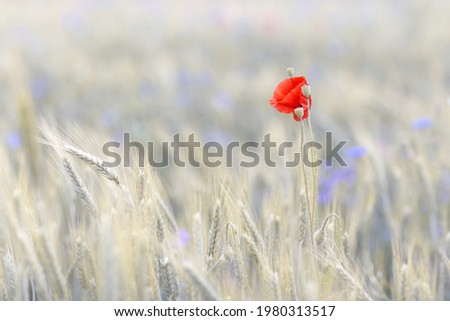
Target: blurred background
{"points": [[379, 72]]}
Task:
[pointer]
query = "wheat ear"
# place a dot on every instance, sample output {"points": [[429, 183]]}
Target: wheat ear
{"points": [[80, 188], [232, 242], [92, 161], [168, 282], [10, 271], [251, 229], [213, 234]]}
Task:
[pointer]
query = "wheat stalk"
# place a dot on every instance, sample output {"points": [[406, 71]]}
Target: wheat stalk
{"points": [[170, 218], [59, 285], [198, 239], [208, 293], [264, 267], [35, 265]]}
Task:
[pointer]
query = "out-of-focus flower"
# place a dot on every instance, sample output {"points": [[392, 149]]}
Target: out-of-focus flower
{"points": [[356, 152], [183, 238], [330, 182], [422, 123], [290, 95], [13, 140]]}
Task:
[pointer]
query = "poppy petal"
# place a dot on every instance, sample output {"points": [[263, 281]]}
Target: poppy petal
{"points": [[303, 101], [292, 98], [288, 96], [281, 107], [287, 85], [305, 113]]}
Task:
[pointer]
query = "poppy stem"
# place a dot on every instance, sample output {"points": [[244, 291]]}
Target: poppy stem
{"points": [[311, 214], [308, 200], [314, 169]]}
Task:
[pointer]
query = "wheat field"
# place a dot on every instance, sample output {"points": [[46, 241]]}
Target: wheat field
{"points": [[78, 74]]}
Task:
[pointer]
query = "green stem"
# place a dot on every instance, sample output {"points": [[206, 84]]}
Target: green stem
{"points": [[305, 179], [314, 171]]}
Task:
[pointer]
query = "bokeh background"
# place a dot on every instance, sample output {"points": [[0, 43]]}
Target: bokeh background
{"points": [[379, 72], [155, 68]]}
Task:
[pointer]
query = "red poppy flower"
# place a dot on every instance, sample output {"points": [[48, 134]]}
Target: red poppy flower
{"points": [[289, 96]]}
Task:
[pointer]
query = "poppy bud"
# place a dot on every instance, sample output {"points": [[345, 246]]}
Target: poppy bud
{"points": [[290, 71], [299, 112], [306, 90]]}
